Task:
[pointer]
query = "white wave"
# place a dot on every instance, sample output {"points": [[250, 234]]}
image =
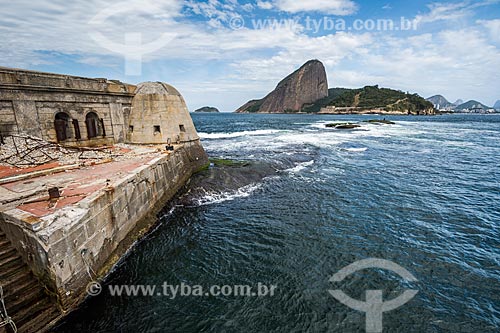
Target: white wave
{"points": [[235, 134], [318, 139], [312, 135], [169, 213], [214, 198], [299, 167], [320, 124], [356, 150], [459, 144]]}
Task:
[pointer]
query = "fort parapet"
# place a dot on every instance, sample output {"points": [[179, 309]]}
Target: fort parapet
{"points": [[99, 210]]}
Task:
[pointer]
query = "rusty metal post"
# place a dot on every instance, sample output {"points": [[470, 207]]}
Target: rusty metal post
{"points": [[54, 193]]}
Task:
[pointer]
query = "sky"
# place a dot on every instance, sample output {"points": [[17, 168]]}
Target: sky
{"points": [[223, 53]]}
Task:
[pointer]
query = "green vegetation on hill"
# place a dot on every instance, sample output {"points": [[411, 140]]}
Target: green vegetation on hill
{"points": [[256, 106], [372, 97], [333, 94]]}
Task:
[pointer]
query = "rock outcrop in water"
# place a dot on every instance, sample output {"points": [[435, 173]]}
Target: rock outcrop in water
{"points": [[305, 86]]}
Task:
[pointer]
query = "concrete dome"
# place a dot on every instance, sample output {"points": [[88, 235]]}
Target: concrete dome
{"points": [[160, 88], [159, 115]]}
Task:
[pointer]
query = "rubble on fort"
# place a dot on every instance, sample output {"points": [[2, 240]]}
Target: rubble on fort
{"points": [[23, 151]]}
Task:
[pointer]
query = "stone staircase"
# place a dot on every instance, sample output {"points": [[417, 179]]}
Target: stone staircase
{"points": [[26, 301]]}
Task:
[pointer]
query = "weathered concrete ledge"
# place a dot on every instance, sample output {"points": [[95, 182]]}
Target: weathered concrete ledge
{"points": [[79, 243]]}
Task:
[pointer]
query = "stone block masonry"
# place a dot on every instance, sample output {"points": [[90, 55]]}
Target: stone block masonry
{"points": [[31, 102], [69, 247]]}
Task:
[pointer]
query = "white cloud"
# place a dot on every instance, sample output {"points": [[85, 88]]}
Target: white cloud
{"points": [[248, 7], [32, 28], [457, 62], [213, 9], [266, 72], [442, 11], [333, 7], [493, 27], [264, 4]]}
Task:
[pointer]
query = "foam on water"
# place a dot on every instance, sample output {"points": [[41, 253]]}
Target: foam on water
{"points": [[312, 134], [218, 197], [299, 167], [235, 134], [355, 150]]}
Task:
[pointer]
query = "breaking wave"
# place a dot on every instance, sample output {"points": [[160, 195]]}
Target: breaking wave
{"points": [[299, 167], [218, 197], [356, 150], [236, 134]]}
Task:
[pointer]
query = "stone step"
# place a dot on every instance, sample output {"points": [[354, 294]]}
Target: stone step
{"points": [[6, 272], [30, 296], [7, 251], [17, 276], [5, 245], [9, 261], [25, 299], [18, 288], [41, 320], [25, 315], [4, 242]]}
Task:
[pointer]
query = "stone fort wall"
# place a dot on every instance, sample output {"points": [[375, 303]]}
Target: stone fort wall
{"points": [[77, 244], [31, 101], [77, 111]]}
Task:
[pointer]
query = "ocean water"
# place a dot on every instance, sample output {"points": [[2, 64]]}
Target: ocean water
{"points": [[308, 201]]}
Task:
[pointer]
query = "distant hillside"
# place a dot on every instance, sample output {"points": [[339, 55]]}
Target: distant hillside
{"points": [[497, 105], [458, 102], [440, 102], [371, 98], [207, 109], [470, 105]]}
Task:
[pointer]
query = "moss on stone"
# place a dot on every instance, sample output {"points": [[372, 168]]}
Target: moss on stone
{"points": [[202, 168], [220, 162]]}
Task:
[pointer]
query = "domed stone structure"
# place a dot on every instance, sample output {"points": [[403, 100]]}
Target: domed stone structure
{"points": [[159, 115]]}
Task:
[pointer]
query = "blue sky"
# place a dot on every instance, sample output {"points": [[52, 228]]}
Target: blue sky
{"points": [[224, 52]]}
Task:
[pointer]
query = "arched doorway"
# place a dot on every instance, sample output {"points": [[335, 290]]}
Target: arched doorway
{"points": [[61, 124], [95, 126]]}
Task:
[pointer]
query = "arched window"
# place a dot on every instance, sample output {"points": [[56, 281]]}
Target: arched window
{"points": [[95, 126], [62, 126]]}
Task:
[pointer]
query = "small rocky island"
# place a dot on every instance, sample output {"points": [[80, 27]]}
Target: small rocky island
{"points": [[207, 109]]}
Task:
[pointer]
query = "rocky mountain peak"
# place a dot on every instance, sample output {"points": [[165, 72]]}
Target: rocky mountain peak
{"points": [[304, 86]]}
